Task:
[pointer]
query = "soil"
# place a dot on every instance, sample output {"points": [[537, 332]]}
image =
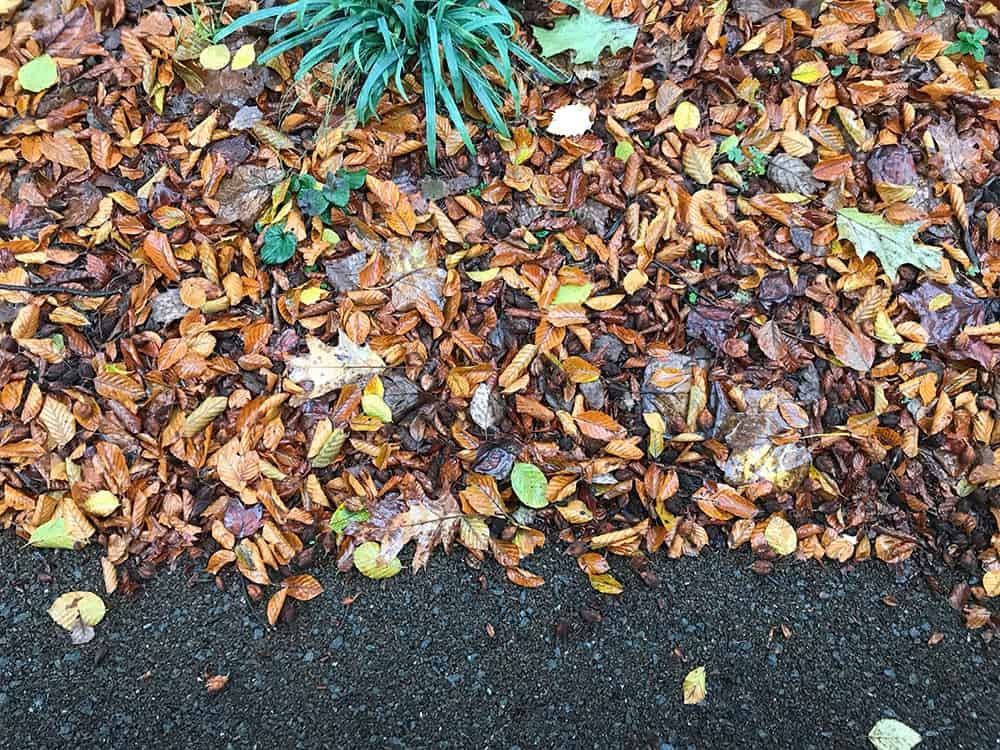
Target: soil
{"points": [[411, 662]]}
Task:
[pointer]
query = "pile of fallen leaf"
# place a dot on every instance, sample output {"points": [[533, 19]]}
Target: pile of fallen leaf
{"points": [[737, 281]]}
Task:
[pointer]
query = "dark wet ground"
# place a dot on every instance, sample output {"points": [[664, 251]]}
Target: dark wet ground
{"points": [[411, 664]]}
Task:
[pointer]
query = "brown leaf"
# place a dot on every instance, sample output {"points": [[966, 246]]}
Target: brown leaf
{"points": [[599, 426], [853, 348], [396, 207], [302, 587], [156, 248]]}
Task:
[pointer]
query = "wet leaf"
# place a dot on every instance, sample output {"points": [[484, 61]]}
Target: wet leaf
{"points": [[53, 534], [38, 74], [331, 367], [529, 485], [781, 536], [694, 687], [891, 734], [370, 562], [571, 120], [892, 244], [586, 33], [214, 57], [78, 612]]}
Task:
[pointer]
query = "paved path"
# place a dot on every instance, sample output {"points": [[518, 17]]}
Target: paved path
{"points": [[411, 663]]}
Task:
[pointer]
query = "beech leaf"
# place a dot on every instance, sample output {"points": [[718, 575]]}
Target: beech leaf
{"points": [[38, 74], [529, 485]]}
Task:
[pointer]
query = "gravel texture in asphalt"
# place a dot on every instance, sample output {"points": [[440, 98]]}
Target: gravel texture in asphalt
{"points": [[459, 658]]}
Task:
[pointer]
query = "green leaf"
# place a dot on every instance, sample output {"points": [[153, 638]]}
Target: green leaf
{"points": [[568, 294], [935, 8], [892, 243], [52, 535], [38, 74], [889, 734], [366, 560], [354, 180], [587, 34], [529, 485], [278, 246], [313, 202], [343, 516], [623, 150]]}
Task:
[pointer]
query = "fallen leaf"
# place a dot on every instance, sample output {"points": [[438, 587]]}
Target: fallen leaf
{"points": [[780, 536], [890, 734], [78, 612], [694, 686], [329, 368], [571, 120]]}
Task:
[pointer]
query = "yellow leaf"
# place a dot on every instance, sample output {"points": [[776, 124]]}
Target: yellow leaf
{"points": [[366, 560], [214, 57], [85, 605], [101, 503], [634, 281], [575, 511], [694, 687], [686, 117], [697, 161], [885, 331], [244, 57], [810, 72], [482, 277], [312, 295], [780, 536], [375, 406], [991, 582], [606, 583]]}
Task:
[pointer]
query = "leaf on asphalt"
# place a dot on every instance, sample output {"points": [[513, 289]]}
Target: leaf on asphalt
{"points": [[78, 612], [694, 687], [53, 534], [370, 561], [606, 583], [302, 587], [891, 734]]}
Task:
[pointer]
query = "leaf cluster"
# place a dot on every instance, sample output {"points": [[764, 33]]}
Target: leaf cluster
{"points": [[461, 51]]}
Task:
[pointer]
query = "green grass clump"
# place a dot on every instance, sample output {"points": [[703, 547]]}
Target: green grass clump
{"points": [[452, 46]]}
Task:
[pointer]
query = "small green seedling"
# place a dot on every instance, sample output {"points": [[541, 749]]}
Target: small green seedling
{"points": [[970, 43]]}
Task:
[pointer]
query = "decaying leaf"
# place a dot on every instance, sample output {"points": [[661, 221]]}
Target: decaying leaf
{"points": [[329, 368], [694, 687], [78, 612]]}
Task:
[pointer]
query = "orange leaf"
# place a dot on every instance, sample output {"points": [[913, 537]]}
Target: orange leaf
{"points": [[274, 605], [156, 248], [599, 426], [302, 587], [525, 578], [396, 207], [853, 348]]}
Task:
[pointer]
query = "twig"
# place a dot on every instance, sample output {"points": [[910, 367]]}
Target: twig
{"points": [[61, 290]]}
